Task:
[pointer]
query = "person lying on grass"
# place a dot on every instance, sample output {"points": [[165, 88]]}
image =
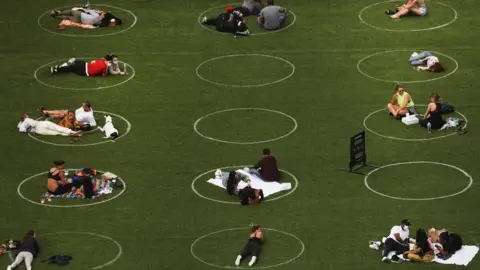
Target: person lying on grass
{"points": [[84, 119], [98, 67], [231, 21], [401, 103], [28, 250], [416, 7], [426, 61], [272, 17], [250, 196], [449, 241], [29, 125], [234, 182], [84, 17], [433, 116], [255, 240]]}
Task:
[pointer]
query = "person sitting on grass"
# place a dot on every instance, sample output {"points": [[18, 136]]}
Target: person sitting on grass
{"points": [[252, 247], [231, 21], [416, 7], [266, 168], [426, 61], [272, 17], [433, 116], [401, 103], [82, 180], [28, 250], [84, 119], [57, 184], [28, 125], [251, 7], [422, 250], [234, 182]]}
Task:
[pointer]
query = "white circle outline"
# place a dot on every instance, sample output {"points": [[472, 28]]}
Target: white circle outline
{"points": [[408, 30], [252, 34], [129, 127], [419, 199], [195, 125], [247, 85], [405, 50], [239, 267], [19, 192], [88, 36], [409, 140], [240, 166], [81, 89], [119, 254]]}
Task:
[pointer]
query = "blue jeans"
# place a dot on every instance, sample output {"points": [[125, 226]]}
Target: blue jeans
{"points": [[281, 21], [415, 60]]}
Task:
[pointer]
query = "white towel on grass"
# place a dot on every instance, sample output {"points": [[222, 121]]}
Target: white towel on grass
{"points": [[461, 257], [268, 188]]}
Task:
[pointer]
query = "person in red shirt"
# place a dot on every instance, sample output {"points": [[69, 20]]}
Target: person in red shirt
{"points": [[98, 67]]}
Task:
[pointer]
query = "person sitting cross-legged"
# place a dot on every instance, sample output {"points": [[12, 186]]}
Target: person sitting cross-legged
{"points": [[401, 103], [267, 167]]}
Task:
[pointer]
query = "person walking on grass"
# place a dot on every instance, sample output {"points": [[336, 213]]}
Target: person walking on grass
{"points": [[28, 250]]}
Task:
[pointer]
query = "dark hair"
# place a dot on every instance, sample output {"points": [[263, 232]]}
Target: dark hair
{"points": [[435, 96], [270, 2], [437, 67], [58, 162], [421, 239], [266, 151], [231, 183], [89, 105], [398, 86], [29, 234], [108, 57], [255, 227]]}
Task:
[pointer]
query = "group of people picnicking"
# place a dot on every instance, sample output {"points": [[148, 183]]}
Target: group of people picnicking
{"points": [[398, 246], [269, 16]]}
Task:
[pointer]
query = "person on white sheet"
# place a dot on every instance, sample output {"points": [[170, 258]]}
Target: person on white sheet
{"points": [[234, 182], [397, 242], [28, 125]]}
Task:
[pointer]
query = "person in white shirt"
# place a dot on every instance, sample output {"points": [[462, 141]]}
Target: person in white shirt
{"points": [[28, 125], [83, 115], [426, 61], [396, 242]]}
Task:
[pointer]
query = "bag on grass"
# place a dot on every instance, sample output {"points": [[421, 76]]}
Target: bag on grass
{"points": [[60, 259], [446, 108]]}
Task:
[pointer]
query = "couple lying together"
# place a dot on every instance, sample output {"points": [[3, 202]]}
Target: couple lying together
{"points": [[82, 184], [84, 17]]}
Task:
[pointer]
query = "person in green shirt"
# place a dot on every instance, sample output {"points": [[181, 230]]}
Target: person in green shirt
{"points": [[401, 103]]}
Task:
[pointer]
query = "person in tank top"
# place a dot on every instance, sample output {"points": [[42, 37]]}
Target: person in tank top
{"points": [[401, 103], [433, 116]]}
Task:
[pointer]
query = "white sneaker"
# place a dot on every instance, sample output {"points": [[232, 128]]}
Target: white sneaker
{"points": [[204, 19], [237, 261], [9, 267], [414, 54], [252, 261], [385, 259], [71, 61], [373, 245]]}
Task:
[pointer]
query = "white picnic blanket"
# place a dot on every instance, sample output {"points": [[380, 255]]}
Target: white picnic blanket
{"points": [[461, 257], [268, 188]]}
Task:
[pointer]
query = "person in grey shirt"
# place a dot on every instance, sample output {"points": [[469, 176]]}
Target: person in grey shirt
{"points": [[230, 181], [272, 17], [251, 7]]}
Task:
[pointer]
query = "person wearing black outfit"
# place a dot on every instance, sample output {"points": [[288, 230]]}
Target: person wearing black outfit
{"points": [[28, 250], [267, 167], [252, 247], [56, 184], [433, 116], [230, 22], [83, 178]]}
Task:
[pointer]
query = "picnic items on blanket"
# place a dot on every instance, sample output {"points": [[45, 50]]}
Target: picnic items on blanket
{"points": [[268, 188], [462, 256]]}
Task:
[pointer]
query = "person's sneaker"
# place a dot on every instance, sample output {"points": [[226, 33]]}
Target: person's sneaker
{"points": [[54, 13], [204, 20], [9, 267], [71, 61], [237, 261], [396, 259], [389, 12], [385, 259], [372, 245]]}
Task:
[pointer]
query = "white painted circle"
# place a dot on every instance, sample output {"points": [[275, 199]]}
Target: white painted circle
{"points": [[295, 125], [405, 139], [129, 127], [246, 85], [19, 192], [237, 203], [407, 30], [200, 17], [420, 199], [82, 89], [404, 50], [83, 36], [119, 252], [238, 267]]}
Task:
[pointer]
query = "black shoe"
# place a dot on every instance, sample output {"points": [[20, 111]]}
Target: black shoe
{"points": [[54, 69], [395, 259], [389, 12]]}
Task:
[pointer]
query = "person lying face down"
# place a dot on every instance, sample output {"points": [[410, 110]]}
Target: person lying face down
{"points": [[401, 103], [417, 7], [231, 21], [426, 61]]}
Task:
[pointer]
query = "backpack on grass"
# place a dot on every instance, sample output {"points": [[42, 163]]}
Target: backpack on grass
{"points": [[446, 108], [59, 259]]}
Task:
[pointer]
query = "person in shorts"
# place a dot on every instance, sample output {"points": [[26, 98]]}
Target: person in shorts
{"points": [[417, 7]]}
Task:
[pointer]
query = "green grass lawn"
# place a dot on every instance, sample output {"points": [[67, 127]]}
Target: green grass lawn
{"points": [[158, 217]]}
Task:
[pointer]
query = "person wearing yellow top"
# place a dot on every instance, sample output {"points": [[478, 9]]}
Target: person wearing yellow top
{"points": [[401, 103]]}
